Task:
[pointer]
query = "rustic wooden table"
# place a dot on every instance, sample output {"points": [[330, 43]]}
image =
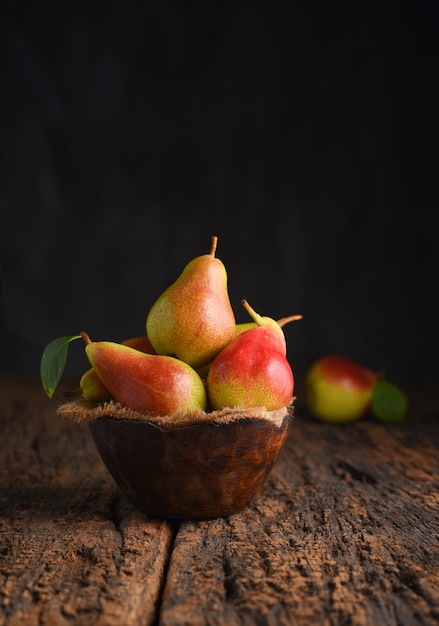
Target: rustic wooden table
{"points": [[345, 531]]}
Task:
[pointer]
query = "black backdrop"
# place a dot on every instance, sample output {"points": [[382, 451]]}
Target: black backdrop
{"points": [[303, 136]]}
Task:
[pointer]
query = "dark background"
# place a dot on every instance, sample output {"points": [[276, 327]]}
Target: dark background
{"points": [[303, 135]]}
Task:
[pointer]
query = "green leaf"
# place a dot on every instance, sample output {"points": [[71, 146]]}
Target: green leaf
{"points": [[389, 402], [53, 362]]}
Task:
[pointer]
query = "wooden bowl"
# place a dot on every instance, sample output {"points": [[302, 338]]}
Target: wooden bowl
{"points": [[203, 469]]}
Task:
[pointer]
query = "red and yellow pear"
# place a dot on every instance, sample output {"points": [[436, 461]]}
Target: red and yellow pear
{"points": [[339, 390], [259, 320], [252, 370], [193, 319], [147, 383], [91, 386]]}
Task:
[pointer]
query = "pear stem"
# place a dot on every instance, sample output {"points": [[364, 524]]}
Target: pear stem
{"points": [[85, 337], [259, 319], [250, 310], [286, 320], [214, 245]]}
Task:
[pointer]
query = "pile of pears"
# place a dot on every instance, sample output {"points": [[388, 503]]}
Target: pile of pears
{"points": [[194, 355]]}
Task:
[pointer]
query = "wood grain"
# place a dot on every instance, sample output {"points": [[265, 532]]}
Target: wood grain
{"points": [[72, 550], [345, 531]]}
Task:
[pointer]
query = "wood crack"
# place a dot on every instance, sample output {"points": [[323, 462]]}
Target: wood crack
{"points": [[174, 526], [345, 469]]}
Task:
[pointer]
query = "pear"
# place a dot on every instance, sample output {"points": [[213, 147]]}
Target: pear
{"points": [[193, 319], [147, 383], [91, 386], [261, 321], [338, 390], [141, 343], [252, 370]]}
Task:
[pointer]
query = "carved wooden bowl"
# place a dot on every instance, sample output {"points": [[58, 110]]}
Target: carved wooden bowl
{"points": [[208, 467]]}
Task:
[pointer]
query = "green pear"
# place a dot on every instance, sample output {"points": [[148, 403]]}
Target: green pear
{"points": [[91, 386], [252, 370], [148, 383], [193, 318], [339, 390]]}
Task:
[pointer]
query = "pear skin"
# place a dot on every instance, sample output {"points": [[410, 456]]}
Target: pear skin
{"points": [[141, 343], [193, 318], [147, 383], [91, 386], [251, 371], [260, 320], [338, 390]]}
